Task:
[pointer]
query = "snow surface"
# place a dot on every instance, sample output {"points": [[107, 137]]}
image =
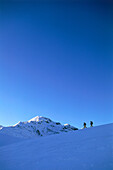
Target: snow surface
{"points": [[85, 149], [6, 139], [36, 127]]}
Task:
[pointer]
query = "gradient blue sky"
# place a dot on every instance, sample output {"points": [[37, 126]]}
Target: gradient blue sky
{"points": [[56, 60]]}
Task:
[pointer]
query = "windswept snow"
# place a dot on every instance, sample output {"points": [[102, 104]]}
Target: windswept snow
{"points": [[36, 127], [7, 140], [85, 149]]}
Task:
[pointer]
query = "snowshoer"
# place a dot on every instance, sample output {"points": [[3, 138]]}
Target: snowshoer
{"points": [[84, 125], [91, 124]]}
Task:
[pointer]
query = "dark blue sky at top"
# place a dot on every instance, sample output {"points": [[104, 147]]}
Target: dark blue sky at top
{"points": [[56, 61]]}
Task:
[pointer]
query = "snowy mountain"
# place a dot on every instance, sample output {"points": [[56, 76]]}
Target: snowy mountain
{"points": [[35, 127], [87, 149]]}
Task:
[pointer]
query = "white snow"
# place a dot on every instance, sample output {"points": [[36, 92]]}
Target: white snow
{"points": [[38, 118], [85, 149], [6, 139]]}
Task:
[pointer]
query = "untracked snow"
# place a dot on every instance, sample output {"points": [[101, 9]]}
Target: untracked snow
{"points": [[7, 139], [85, 149]]}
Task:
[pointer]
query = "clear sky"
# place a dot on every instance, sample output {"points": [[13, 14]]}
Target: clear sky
{"points": [[56, 60]]}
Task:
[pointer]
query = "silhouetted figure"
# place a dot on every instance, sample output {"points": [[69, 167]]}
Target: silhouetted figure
{"points": [[84, 125], [91, 124]]}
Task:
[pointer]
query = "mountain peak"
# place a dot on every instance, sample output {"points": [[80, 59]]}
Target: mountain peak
{"points": [[37, 126], [38, 119]]}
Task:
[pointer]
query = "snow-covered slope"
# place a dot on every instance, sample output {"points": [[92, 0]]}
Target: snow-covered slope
{"points": [[7, 140], [86, 149], [37, 126]]}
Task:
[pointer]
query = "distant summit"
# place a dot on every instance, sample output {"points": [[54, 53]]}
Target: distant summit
{"points": [[36, 127], [40, 118]]}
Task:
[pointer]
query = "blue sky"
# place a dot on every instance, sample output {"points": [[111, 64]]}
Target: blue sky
{"points": [[56, 61]]}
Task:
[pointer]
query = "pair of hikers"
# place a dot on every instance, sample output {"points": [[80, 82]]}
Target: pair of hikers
{"points": [[91, 124]]}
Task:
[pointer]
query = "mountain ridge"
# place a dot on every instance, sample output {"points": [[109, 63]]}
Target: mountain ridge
{"points": [[35, 127]]}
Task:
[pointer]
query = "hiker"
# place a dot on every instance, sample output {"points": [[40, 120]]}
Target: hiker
{"points": [[91, 124], [84, 125]]}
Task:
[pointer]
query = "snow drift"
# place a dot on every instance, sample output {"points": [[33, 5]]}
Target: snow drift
{"points": [[85, 149]]}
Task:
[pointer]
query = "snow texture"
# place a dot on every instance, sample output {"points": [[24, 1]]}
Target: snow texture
{"points": [[85, 149]]}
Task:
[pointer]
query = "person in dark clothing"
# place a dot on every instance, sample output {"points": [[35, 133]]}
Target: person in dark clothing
{"points": [[91, 124], [84, 125]]}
